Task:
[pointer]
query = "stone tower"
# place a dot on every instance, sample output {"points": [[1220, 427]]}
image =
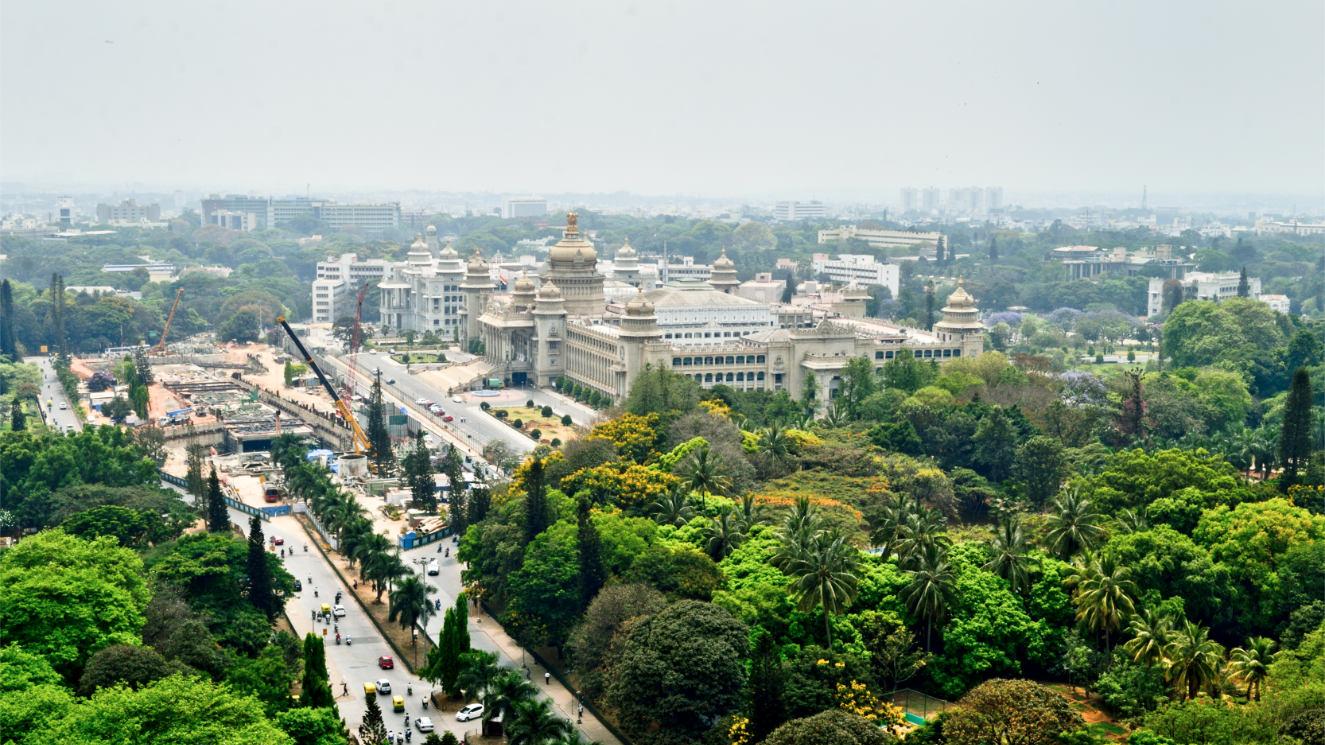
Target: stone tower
{"points": [[961, 322], [625, 267], [638, 328], [723, 275], [549, 335], [476, 288]]}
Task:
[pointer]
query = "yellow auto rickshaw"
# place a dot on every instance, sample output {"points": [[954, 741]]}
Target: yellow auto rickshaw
{"points": [[370, 688], [326, 609], [397, 704]]}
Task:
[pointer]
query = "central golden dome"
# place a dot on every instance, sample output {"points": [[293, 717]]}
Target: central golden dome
{"points": [[572, 247]]}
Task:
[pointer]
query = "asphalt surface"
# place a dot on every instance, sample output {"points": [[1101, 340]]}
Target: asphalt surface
{"points": [[51, 390], [477, 430]]}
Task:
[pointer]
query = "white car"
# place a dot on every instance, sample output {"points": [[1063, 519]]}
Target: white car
{"points": [[422, 401], [457, 399], [338, 611], [63, 406], [424, 724], [468, 712], [384, 686]]}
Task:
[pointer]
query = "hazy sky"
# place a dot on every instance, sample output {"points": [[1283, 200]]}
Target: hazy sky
{"points": [[809, 98]]}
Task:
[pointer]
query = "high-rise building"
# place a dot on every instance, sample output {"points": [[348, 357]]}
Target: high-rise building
{"points": [[931, 199], [64, 213], [910, 199], [513, 208], [792, 210], [859, 269], [993, 198]]}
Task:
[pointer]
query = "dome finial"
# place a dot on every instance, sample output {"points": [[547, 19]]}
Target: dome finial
{"points": [[572, 223]]}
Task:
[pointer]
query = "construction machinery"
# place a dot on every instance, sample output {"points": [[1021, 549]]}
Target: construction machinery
{"points": [[161, 343], [356, 339], [361, 444]]}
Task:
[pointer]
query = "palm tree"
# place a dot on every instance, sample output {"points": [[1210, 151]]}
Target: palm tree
{"points": [[703, 473], [775, 445], [1150, 634], [673, 508], [885, 536], [930, 590], [478, 670], [1010, 560], [1251, 664], [409, 602], [751, 513], [724, 533], [824, 575], [799, 528], [1192, 659], [534, 723], [1104, 592], [380, 569], [1074, 525], [501, 696], [1132, 521], [920, 531]]}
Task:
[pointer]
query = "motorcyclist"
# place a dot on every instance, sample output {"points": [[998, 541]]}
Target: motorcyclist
{"points": [[348, 640]]}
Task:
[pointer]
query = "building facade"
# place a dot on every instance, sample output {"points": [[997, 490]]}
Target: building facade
{"points": [[1201, 286], [920, 241], [514, 208], [424, 293], [128, 211], [272, 212], [791, 210], [859, 269], [531, 336], [338, 280]]}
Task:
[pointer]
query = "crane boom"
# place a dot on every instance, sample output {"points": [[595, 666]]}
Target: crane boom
{"points": [[361, 443], [161, 343]]}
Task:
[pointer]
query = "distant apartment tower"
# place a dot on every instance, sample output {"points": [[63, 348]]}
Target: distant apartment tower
{"points": [[859, 269], [931, 199], [793, 210], [993, 198], [64, 213], [128, 211], [910, 199], [514, 208]]}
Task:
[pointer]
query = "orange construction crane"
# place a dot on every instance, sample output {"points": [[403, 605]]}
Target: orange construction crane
{"points": [[361, 442], [356, 339], [161, 343]]}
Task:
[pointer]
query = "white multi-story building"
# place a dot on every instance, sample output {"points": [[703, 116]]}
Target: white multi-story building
{"points": [[513, 208], [338, 279], [270, 212], [1291, 227], [1201, 286], [910, 199], [859, 269], [683, 267], [792, 210], [424, 292]]}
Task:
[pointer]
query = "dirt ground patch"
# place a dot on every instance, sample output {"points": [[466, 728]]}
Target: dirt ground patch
{"points": [[1097, 720]]}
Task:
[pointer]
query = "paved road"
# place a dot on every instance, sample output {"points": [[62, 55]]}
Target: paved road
{"points": [[60, 415], [477, 430]]}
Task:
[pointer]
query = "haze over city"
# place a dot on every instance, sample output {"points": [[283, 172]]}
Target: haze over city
{"points": [[826, 100]]}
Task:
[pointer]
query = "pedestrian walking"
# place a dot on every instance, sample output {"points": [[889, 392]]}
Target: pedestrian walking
{"points": [[547, 678]]}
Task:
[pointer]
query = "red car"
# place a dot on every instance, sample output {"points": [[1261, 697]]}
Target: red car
{"points": [[385, 662], [448, 418], [278, 541]]}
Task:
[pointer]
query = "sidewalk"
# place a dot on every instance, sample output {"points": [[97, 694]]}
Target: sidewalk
{"points": [[486, 634]]}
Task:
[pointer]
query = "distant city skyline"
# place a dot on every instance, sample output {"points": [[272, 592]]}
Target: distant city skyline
{"points": [[827, 101]]}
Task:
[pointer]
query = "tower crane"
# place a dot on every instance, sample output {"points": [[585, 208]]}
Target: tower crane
{"points": [[356, 339], [361, 442], [161, 343]]}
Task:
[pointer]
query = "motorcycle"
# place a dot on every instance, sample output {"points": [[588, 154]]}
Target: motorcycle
{"points": [[348, 641], [338, 638], [448, 553]]}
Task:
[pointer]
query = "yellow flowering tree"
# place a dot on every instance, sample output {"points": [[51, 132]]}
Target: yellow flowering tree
{"points": [[856, 698], [630, 486], [635, 436]]}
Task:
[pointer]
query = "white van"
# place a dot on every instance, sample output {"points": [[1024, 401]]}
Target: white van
{"points": [[434, 568]]}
